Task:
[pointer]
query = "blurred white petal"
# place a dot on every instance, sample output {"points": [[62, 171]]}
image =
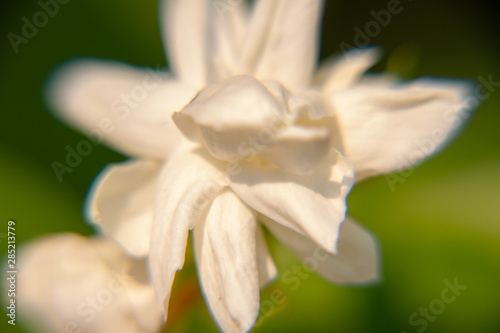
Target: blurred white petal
{"points": [[125, 107], [185, 25], [228, 29], [68, 281], [392, 127], [121, 203], [282, 42]]}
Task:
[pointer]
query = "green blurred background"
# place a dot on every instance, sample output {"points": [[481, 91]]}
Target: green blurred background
{"points": [[441, 222]]}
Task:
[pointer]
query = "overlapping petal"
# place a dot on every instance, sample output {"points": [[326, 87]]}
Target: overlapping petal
{"points": [[121, 203], [226, 256], [242, 116], [312, 205], [356, 261], [228, 116], [187, 185], [388, 127], [128, 108]]}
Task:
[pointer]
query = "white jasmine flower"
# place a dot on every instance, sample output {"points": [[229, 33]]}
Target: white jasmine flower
{"points": [[70, 283], [242, 133]]}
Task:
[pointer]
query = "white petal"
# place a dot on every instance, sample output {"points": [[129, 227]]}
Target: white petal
{"points": [[356, 261], [283, 41], [391, 127], [229, 25], [265, 263], [228, 117], [121, 203], [188, 183], [68, 278], [225, 247], [185, 33], [128, 108], [345, 70], [312, 205]]}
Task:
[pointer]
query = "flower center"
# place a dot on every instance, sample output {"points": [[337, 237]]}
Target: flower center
{"points": [[242, 117]]}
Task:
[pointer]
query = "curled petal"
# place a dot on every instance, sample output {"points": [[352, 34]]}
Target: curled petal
{"points": [[229, 115], [226, 255], [128, 108], [121, 203], [243, 116], [391, 127]]}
